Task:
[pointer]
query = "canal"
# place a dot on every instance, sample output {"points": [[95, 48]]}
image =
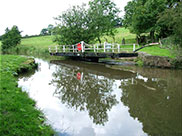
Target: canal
{"points": [[91, 99]]}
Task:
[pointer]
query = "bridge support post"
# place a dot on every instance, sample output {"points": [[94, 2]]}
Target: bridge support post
{"points": [[94, 48]]}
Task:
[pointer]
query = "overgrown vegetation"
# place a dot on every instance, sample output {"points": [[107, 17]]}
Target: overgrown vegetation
{"points": [[11, 38], [18, 116]]}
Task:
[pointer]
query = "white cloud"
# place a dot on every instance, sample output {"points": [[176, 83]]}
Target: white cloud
{"points": [[33, 15]]}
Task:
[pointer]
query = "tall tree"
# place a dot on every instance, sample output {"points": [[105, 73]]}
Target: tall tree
{"points": [[50, 28], [44, 31], [11, 38], [78, 24], [142, 16], [172, 18], [103, 16], [73, 26]]}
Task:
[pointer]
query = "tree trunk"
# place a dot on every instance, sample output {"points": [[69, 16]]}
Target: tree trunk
{"points": [[99, 40], [152, 36]]}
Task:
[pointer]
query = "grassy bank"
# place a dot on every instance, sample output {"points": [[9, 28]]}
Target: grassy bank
{"points": [[157, 51], [18, 116]]}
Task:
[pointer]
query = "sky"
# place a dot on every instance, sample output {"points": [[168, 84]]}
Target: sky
{"points": [[31, 16]]}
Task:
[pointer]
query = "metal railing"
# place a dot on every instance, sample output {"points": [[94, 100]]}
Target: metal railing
{"points": [[84, 47]]}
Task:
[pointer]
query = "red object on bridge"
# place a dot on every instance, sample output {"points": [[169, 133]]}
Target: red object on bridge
{"points": [[78, 75], [79, 47]]}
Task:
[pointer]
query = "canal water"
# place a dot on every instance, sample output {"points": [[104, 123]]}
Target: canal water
{"points": [[89, 99]]}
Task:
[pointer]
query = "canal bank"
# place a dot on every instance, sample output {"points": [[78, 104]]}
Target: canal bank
{"points": [[18, 114]]}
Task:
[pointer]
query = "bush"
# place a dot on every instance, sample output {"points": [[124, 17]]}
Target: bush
{"points": [[11, 38]]}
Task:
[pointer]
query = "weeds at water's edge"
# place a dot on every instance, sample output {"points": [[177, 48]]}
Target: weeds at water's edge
{"points": [[18, 115]]}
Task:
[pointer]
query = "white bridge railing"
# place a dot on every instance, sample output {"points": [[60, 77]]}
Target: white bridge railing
{"points": [[84, 47]]}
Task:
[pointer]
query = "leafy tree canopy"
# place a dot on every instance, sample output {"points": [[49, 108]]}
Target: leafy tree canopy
{"points": [[11, 38], [81, 24], [142, 16], [47, 31]]}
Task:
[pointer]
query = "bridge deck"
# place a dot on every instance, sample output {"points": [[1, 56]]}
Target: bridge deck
{"points": [[94, 52]]}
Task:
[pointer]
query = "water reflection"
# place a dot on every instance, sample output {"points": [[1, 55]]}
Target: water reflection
{"points": [[91, 99], [157, 103], [82, 90]]}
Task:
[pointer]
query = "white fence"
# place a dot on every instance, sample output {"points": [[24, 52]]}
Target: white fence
{"points": [[104, 47]]}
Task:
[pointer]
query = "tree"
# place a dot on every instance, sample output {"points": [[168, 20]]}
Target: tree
{"points": [[78, 24], [104, 17], [172, 18], [44, 31], [50, 28], [151, 16], [73, 26], [142, 15], [11, 38]]}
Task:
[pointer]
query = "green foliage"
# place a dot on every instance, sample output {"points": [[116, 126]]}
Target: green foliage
{"points": [[73, 26], [44, 31], [139, 63], [173, 20], [78, 24], [11, 38], [47, 31], [142, 15], [104, 17], [18, 115], [155, 17]]}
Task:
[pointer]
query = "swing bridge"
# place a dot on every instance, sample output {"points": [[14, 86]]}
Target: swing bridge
{"points": [[92, 52]]}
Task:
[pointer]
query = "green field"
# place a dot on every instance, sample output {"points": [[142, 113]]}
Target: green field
{"points": [[120, 34], [18, 115], [41, 42]]}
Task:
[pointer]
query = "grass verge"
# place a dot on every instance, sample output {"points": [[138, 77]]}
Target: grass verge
{"points": [[157, 51], [18, 116]]}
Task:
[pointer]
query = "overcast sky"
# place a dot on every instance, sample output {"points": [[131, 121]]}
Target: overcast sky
{"points": [[32, 15]]}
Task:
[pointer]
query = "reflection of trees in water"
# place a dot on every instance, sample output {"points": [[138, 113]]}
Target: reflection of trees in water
{"points": [[156, 103], [87, 92]]}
